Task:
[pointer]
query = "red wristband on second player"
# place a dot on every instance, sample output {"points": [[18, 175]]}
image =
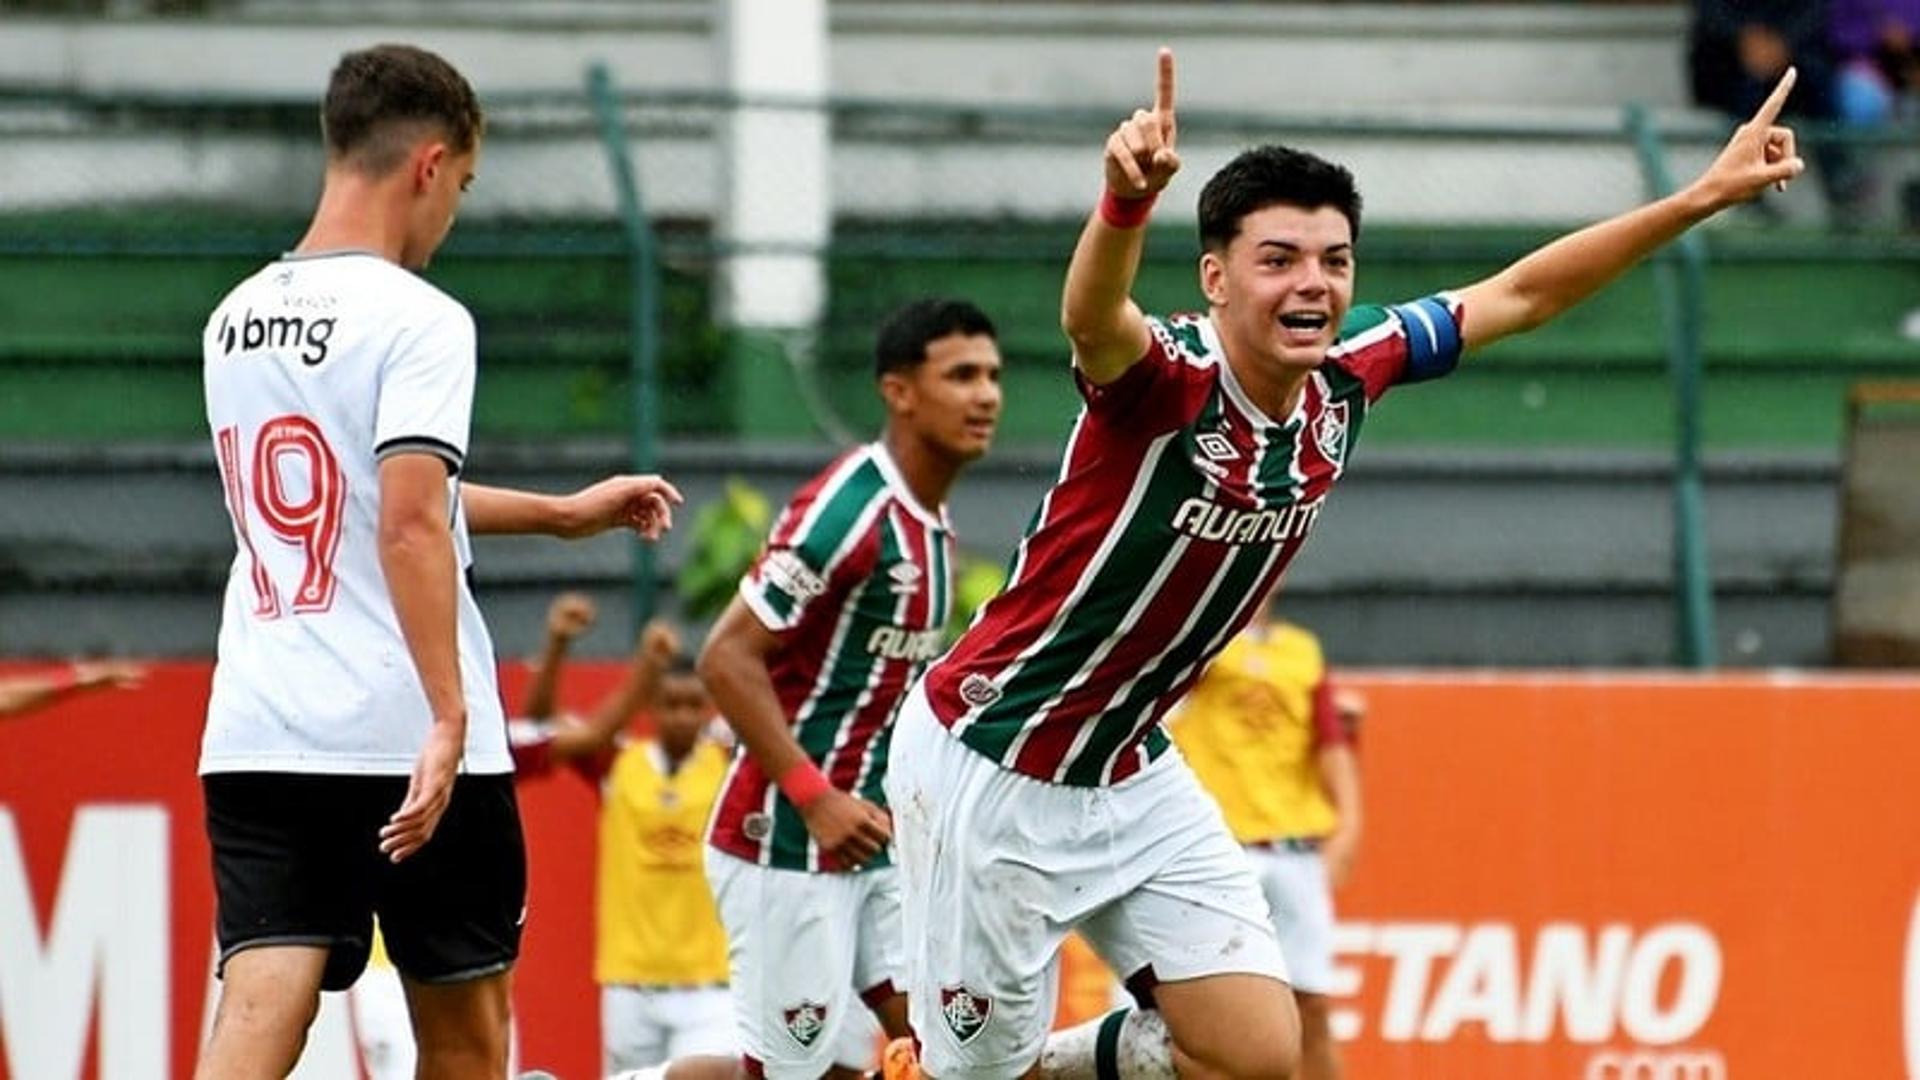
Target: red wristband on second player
{"points": [[1125, 213], [804, 783]]}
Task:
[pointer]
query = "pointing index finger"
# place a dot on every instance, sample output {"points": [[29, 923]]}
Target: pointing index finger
{"points": [[1163, 86], [1770, 108]]}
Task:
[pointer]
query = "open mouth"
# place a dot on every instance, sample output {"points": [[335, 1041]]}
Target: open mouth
{"points": [[1311, 322]]}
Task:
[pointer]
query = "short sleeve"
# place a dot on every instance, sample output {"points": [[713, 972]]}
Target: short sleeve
{"points": [[1386, 345], [1328, 729], [821, 537], [426, 388], [1163, 388]]}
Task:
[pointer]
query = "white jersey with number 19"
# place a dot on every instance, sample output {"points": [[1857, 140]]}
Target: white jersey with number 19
{"points": [[316, 368]]}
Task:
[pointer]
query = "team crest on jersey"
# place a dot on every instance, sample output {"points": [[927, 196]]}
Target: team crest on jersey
{"points": [[805, 1022], [756, 826], [905, 577], [965, 1012], [978, 691], [1330, 432]]}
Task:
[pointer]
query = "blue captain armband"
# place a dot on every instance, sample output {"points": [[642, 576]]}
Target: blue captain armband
{"points": [[1433, 337]]}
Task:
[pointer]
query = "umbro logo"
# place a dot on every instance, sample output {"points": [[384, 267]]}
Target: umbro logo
{"points": [[905, 578], [1216, 446]]}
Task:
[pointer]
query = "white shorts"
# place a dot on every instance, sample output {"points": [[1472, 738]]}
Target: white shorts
{"points": [[642, 1026], [1302, 902], [806, 952], [999, 866]]}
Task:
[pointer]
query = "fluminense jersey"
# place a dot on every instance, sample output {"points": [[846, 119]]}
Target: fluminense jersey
{"points": [[315, 369], [856, 580], [1177, 505]]}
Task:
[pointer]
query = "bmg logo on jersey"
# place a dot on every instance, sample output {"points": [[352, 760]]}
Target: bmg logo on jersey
{"points": [[253, 332]]}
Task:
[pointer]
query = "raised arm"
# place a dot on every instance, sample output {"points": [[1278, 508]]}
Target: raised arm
{"points": [[1566, 271], [1096, 307], [734, 667], [569, 616], [652, 654], [643, 503], [28, 692]]}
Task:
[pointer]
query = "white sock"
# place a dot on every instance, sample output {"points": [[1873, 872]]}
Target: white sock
{"points": [[1128, 1044]]}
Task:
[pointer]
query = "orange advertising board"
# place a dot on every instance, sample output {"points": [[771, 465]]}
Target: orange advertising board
{"points": [[1620, 878], [1565, 877]]}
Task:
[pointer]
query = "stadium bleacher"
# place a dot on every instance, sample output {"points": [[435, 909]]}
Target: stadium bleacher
{"points": [[100, 315]]}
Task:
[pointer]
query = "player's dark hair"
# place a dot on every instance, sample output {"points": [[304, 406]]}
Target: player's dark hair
{"points": [[1273, 175], [904, 337], [379, 99]]}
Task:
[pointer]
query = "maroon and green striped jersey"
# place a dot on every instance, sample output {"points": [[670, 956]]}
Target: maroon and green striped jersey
{"points": [[1178, 504], [856, 580]]}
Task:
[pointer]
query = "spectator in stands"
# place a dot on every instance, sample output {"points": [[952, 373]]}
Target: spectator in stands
{"points": [[25, 693], [1739, 49], [1877, 45], [1878, 68]]}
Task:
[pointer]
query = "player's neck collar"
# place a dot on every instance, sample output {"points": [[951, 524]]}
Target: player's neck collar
{"points": [[329, 253], [1242, 400], [889, 468]]}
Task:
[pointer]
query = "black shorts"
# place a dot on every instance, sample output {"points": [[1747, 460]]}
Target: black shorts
{"points": [[297, 861]]}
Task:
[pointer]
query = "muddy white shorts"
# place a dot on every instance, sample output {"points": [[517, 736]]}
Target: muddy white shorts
{"points": [[806, 953], [998, 867]]}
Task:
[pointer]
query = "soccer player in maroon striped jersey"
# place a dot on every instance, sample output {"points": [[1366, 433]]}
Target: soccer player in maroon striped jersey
{"points": [[836, 618], [1032, 789]]}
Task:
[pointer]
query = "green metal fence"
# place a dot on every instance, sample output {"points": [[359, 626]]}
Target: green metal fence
{"points": [[136, 214]]}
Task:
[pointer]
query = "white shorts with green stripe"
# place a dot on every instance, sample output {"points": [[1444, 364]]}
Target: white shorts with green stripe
{"points": [[998, 867]]}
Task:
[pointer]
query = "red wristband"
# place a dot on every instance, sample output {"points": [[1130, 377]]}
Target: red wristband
{"points": [[804, 783], [1125, 213]]}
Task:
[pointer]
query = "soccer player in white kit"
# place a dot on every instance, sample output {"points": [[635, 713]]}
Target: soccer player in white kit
{"points": [[1034, 788], [355, 756]]}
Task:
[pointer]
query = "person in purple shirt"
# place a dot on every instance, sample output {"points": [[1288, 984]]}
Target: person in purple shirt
{"points": [[1738, 49], [1876, 48], [1876, 45]]}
